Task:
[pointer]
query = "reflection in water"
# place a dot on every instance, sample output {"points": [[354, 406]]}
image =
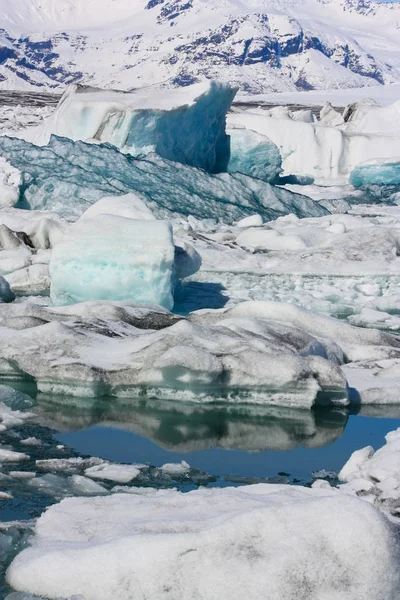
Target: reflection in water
{"points": [[194, 427]]}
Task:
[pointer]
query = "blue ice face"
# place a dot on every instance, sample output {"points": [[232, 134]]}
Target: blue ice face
{"points": [[66, 177], [254, 154], [385, 173], [114, 258]]}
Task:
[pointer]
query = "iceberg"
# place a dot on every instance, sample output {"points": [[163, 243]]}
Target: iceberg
{"points": [[229, 543], [376, 475], [253, 154], [326, 150], [377, 172], [116, 258], [185, 125], [112, 349], [67, 177]]}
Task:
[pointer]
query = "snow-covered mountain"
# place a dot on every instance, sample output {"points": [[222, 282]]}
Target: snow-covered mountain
{"points": [[260, 45]]}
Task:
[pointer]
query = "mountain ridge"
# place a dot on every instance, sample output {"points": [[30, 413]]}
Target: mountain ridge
{"points": [[258, 45]]}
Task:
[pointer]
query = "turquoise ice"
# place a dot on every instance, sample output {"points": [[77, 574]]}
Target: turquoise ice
{"points": [[114, 258], [67, 177], [253, 154], [376, 173]]}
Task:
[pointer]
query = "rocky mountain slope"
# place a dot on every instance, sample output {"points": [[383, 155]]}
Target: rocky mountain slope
{"points": [[259, 45]]}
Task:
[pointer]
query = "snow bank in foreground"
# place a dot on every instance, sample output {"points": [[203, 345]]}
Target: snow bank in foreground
{"points": [[116, 258], [185, 125], [261, 541], [67, 177]]}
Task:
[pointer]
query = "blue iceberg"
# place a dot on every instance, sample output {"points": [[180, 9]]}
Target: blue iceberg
{"points": [[253, 154], [382, 173], [186, 125], [67, 177], [109, 257]]}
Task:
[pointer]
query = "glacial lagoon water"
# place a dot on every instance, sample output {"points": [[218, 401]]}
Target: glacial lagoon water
{"points": [[223, 445]]}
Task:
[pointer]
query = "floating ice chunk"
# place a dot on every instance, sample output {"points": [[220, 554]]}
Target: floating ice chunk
{"points": [[185, 125], [176, 469], [12, 418], [33, 279], [10, 184], [252, 221], [253, 154], [369, 317], [269, 239], [129, 206], [113, 472], [67, 177], [9, 456], [376, 172], [376, 473], [21, 474], [85, 486], [31, 441], [6, 293], [352, 469], [261, 541], [5, 496], [67, 465], [114, 258], [58, 487], [331, 117], [200, 361]]}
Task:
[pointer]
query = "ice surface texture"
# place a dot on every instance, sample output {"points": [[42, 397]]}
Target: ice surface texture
{"points": [[103, 348], [324, 151], [185, 126], [67, 177], [116, 258], [261, 541], [253, 154], [376, 173], [256, 352]]}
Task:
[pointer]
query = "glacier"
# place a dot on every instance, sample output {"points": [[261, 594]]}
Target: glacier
{"points": [[66, 177], [113, 257], [186, 126]]}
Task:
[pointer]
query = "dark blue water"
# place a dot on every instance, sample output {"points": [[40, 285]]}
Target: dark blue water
{"points": [[241, 442]]}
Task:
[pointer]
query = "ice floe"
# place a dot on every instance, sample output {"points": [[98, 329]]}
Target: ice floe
{"points": [[230, 542]]}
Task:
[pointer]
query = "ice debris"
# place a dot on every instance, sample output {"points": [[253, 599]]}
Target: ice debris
{"points": [[375, 476]]}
